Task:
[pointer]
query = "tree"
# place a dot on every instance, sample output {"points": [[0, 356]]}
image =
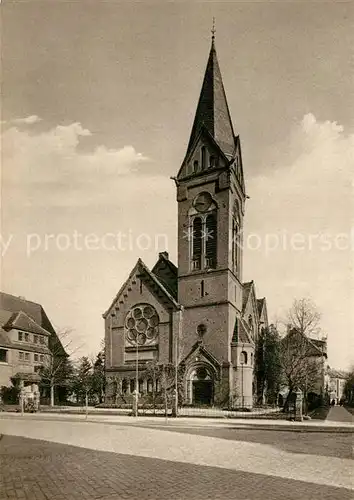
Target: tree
{"points": [[57, 369], [300, 368], [98, 377], [83, 379], [301, 360], [304, 317], [349, 388], [268, 365]]}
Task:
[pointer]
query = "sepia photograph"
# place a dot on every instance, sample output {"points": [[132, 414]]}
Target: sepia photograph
{"points": [[177, 250]]}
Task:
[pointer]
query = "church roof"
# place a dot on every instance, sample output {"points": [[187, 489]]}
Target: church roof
{"points": [[144, 272], [166, 272], [246, 290], [212, 110], [240, 333], [260, 304]]}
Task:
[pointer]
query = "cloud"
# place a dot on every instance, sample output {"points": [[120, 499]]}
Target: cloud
{"points": [[29, 120], [307, 196], [54, 164]]}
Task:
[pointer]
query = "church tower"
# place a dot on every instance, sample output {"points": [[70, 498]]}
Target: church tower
{"points": [[211, 202]]}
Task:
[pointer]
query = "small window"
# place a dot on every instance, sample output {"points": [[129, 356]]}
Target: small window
{"points": [[3, 355], [36, 357], [21, 356], [27, 356], [195, 166], [20, 336], [41, 358], [243, 358], [37, 368], [251, 359], [27, 337], [158, 385], [42, 339], [124, 386], [35, 339]]}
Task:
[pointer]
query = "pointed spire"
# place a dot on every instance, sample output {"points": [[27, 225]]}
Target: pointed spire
{"points": [[212, 110]]}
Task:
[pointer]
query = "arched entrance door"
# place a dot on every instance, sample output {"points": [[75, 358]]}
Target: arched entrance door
{"points": [[202, 386]]}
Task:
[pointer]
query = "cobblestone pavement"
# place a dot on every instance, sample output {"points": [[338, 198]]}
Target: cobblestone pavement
{"points": [[40, 470], [339, 414], [120, 461]]}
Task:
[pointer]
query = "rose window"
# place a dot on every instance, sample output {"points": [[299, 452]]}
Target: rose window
{"points": [[142, 325]]}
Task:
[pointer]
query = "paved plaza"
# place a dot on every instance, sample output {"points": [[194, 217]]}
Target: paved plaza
{"points": [[65, 458]]}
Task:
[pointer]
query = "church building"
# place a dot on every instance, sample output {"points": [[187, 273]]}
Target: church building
{"points": [[200, 314]]}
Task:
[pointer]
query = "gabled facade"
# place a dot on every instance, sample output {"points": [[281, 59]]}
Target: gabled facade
{"points": [[205, 315], [27, 338]]}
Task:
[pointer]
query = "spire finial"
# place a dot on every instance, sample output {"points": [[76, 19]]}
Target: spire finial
{"points": [[213, 30]]}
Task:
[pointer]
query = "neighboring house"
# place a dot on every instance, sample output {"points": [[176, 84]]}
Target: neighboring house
{"points": [[200, 314], [304, 358], [27, 340], [335, 381]]}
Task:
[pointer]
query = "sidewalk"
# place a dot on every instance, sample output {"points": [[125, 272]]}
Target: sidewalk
{"points": [[239, 423], [339, 414]]}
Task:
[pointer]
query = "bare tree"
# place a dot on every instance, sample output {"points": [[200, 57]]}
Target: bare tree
{"points": [[57, 368], [300, 364], [304, 316]]}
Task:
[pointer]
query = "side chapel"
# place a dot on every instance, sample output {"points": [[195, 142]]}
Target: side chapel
{"points": [[200, 314]]}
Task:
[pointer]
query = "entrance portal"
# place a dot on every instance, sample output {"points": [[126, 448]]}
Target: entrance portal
{"points": [[202, 392]]}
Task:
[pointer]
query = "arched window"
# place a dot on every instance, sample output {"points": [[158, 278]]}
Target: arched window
{"points": [[236, 237], [210, 241], [141, 385], [212, 161], [250, 323], [124, 386], [203, 153], [243, 358], [132, 385], [150, 386], [197, 243], [195, 166]]}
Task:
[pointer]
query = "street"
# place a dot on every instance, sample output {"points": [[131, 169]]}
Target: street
{"points": [[73, 459]]}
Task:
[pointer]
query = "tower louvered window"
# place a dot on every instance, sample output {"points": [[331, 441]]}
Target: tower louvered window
{"points": [[197, 243], [210, 241], [203, 152], [236, 238]]}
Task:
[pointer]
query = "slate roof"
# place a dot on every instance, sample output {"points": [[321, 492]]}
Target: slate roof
{"points": [[166, 272], [260, 304], [29, 316], [212, 110], [246, 290], [240, 334], [21, 321]]}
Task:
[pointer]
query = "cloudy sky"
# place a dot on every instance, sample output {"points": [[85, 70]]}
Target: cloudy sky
{"points": [[98, 103]]}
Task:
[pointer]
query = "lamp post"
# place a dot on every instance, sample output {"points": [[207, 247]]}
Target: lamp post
{"points": [[242, 363], [136, 402], [180, 315]]}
